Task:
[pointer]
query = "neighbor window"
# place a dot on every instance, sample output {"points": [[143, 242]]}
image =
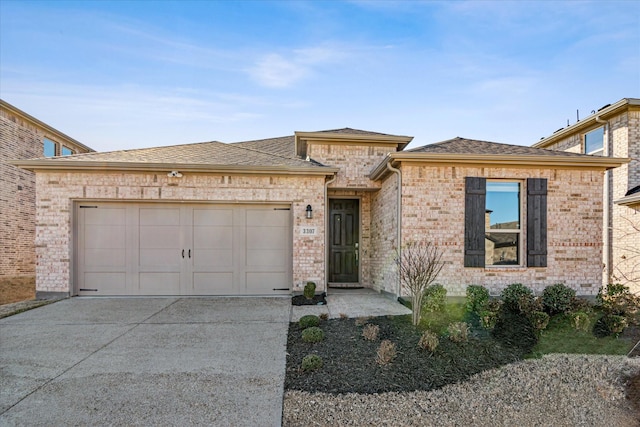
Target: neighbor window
{"points": [[66, 151], [493, 232], [594, 142], [49, 148]]}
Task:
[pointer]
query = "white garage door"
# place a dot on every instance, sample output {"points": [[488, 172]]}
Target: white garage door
{"points": [[175, 249]]}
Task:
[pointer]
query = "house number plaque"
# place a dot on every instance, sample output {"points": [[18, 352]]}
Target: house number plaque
{"points": [[309, 231]]}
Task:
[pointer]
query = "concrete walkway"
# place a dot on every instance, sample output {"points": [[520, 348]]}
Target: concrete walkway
{"points": [[352, 303], [145, 361]]}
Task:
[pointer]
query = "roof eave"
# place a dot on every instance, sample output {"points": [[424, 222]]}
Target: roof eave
{"points": [[609, 111], [582, 162], [633, 199], [48, 165], [400, 140]]}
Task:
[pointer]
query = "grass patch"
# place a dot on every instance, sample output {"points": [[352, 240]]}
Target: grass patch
{"points": [[561, 337], [438, 321]]}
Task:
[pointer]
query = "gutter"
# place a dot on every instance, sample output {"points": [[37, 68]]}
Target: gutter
{"points": [[326, 232], [399, 216], [93, 166]]}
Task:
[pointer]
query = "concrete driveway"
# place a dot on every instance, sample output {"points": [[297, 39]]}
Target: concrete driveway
{"points": [[145, 361]]}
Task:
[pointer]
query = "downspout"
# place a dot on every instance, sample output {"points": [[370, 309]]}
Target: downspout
{"points": [[326, 232], [606, 252], [399, 216]]}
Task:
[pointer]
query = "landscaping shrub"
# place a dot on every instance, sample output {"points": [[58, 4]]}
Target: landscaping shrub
{"points": [[362, 320], [580, 321], [429, 341], [489, 316], [458, 331], [617, 300], [514, 329], [557, 298], [517, 297], [312, 334], [370, 332], [539, 320], [581, 305], [434, 298], [309, 290], [386, 352], [324, 316], [311, 362], [477, 299], [308, 321]]}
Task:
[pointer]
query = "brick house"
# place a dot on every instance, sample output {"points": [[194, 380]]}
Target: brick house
{"points": [[23, 137], [612, 131], [264, 217]]}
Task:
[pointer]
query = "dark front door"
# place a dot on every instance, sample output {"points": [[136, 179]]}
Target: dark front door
{"points": [[344, 229]]}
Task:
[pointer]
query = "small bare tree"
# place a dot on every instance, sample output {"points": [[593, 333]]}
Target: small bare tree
{"points": [[419, 263], [626, 269]]}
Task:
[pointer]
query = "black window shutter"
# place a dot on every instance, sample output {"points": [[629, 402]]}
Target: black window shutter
{"points": [[474, 217], [536, 222]]}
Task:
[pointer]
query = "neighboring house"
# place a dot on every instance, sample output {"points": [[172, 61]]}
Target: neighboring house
{"points": [[264, 217], [23, 137], [612, 131]]}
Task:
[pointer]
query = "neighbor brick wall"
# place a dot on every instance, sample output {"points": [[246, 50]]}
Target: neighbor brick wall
{"points": [[574, 229], [18, 140], [623, 135], [57, 191]]}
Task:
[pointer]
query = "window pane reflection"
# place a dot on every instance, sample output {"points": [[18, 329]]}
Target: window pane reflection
{"points": [[502, 248], [503, 205]]}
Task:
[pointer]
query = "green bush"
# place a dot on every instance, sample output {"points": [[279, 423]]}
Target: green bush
{"points": [[617, 300], [429, 341], [539, 320], [518, 298], [311, 362], [308, 321], [477, 299], [312, 334], [458, 332], [580, 321], [557, 298], [581, 305], [514, 329], [309, 290], [489, 316], [609, 324], [434, 298]]}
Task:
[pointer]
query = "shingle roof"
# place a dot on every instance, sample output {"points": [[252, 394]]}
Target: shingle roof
{"points": [[350, 131], [282, 146], [209, 153], [460, 145]]}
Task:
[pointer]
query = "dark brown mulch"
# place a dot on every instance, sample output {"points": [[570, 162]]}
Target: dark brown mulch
{"points": [[633, 392], [319, 299], [349, 361]]}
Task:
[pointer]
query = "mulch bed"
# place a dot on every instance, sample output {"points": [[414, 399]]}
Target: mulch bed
{"points": [[319, 299], [349, 361]]}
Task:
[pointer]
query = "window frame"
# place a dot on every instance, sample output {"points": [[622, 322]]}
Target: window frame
{"points": [[599, 151], [44, 147], [521, 225]]}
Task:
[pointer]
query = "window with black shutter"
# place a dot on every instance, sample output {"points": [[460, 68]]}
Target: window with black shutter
{"points": [[536, 222], [474, 215]]}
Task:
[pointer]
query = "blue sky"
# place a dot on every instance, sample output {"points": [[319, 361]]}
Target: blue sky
{"points": [[127, 74]]}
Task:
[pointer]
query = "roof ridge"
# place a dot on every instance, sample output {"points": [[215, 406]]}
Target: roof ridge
{"points": [[274, 155]]}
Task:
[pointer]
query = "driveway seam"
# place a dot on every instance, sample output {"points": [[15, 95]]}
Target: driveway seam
{"points": [[135, 325]]}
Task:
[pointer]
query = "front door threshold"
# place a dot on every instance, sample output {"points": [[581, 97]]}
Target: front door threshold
{"points": [[345, 285]]}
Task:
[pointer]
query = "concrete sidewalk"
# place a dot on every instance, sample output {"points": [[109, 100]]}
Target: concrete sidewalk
{"points": [[145, 361], [352, 303]]}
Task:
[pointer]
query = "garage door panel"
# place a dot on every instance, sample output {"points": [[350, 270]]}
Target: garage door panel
{"points": [[265, 283], [159, 216], [213, 237], [269, 217], [157, 237], [160, 283], [212, 217], [213, 283], [266, 258], [105, 258], [160, 259], [267, 238], [105, 283], [105, 236], [100, 216], [213, 259]]}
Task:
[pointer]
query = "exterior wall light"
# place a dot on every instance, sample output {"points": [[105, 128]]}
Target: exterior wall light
{"points": [[309, 212], [174, 174]]}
